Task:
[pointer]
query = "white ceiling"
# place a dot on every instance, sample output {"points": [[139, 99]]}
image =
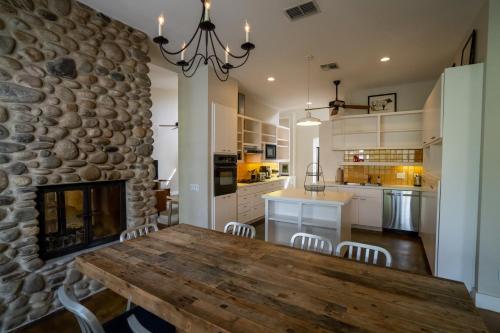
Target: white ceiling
{"points": [[420, 36]]}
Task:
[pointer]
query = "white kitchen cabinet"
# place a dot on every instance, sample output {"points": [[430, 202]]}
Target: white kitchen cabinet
{"points": [[365, 208], [429, 218], [394, 130], [225, 210], [225, 129], [433, 114], [251, 206]]}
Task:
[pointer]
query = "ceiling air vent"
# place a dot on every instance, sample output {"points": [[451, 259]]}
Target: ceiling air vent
{"points": [[329, 67], [302, 10]]}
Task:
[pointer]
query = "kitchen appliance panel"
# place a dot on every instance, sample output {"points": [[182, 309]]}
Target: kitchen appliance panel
{"points": [[401, 210], [270, 152], [225, 174]]}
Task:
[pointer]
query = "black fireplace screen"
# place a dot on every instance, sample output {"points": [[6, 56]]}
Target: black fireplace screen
{"points": [[78, 216]]}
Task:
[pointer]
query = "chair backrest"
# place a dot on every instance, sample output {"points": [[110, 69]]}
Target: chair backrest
{"points": [[240, 229], [311, 242], [370, 251], [86, 319], [138, 231]]}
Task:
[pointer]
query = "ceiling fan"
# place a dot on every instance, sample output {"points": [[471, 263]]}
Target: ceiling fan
{"points": [[336, 104], [174, 126]]}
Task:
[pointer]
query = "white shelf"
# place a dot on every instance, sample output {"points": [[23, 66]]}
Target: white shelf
{"points": [[402, 130], [284, 218]]}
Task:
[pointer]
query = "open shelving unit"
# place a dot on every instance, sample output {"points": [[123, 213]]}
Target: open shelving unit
{"points": [[394, 130], [256, 133]]}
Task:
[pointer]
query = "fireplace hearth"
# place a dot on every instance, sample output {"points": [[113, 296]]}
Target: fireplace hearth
{"points": [[78, 216]]}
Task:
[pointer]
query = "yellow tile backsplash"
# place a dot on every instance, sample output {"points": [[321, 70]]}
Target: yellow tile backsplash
{"points": [[388, 174], [244, 168]]}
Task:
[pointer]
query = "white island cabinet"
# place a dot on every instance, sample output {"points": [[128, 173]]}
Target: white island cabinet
{"points": [[295, 210]]}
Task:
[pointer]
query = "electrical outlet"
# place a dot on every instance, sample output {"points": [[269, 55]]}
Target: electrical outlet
{"points": [[194, 187], [401, 175]]}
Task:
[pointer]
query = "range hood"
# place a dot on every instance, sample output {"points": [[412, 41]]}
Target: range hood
{"points": [[253, 150]]}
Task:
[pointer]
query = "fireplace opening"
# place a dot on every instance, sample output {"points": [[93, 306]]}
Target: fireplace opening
{"points": [[78, 216]]}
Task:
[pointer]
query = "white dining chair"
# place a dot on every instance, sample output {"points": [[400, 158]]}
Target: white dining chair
{"points": [[139, 231], [240, 229], [310, 242], [136, 320], [369, 251]]}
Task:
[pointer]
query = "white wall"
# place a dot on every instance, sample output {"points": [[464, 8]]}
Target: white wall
{"points": [[489, 221], [256, 109], [165, 112], [410, 96], [193, 148]]}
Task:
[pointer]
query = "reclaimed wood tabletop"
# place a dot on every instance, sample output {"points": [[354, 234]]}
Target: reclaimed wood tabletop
{"points": [[205, 281]]}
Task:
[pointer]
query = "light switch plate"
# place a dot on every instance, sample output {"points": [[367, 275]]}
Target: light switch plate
{"points": [[194, 187], [401, 175]]}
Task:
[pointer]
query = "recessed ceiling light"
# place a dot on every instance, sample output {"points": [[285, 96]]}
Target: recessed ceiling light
{"points": [[385, 59], [271, 79], [309, 103]]}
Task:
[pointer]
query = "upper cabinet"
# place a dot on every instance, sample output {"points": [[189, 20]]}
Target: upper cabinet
{"points": [[433, 114], [394, 130], [225, 127]]}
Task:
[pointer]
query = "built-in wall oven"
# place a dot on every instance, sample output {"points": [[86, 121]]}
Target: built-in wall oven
{"points": [[225, 174], [270, 152]]}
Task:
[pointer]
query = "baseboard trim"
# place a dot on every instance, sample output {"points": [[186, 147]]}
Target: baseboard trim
{"points": [[488, 302]]}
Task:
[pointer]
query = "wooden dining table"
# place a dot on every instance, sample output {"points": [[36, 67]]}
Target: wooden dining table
{"points": [[205, 281]]}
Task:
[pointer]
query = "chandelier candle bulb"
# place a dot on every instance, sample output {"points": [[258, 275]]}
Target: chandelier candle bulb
{"points": [[207, 10], [247, 31], [183, 50], [161, 21], [227, 54]]}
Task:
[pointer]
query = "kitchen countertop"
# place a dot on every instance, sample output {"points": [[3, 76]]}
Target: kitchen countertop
{"points": [[273, 179], [300, 195], [329, 183]]}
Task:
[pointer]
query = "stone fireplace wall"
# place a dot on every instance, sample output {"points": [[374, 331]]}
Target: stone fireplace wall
{"points": [[74, 107]]}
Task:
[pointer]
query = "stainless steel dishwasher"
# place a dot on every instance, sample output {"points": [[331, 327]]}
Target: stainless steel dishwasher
{"points": [[401, 210]]}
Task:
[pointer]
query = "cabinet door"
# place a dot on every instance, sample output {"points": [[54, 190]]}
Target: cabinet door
{"points": [[432, 113], [370, 212], [225, 128], [428, 227], [225, 210]]}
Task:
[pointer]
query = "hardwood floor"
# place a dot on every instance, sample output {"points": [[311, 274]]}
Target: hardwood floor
{"points": [[407, 252]]}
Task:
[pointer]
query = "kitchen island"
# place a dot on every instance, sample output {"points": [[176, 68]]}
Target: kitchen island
{"points": [[296, 210]]}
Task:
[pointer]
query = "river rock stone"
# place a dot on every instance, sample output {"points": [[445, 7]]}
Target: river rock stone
{"points": [[70, 120], [144, 150], [14, 93], [4, 180], [62, 67], [17, 168], [47, 14], [90, 173], [23, 137], [9, 235], [50, 162], [4, 132], [65, 94], [66, 150], [32, 81], [113, 51], [33, 283], [8, 147], [61, 7], [7, 44]]}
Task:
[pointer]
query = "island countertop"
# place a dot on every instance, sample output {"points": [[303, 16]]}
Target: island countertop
{"points": [[300, 195]]}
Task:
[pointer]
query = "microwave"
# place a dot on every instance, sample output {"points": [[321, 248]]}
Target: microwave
{"points": [[270, 152], [284, 169]]}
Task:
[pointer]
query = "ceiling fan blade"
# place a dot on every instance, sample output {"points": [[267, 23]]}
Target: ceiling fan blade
{"points": [[357, 107], [319, 108]]}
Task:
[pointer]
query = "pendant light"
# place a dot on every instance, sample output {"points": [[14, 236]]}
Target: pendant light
{"points": [[308, 120]]}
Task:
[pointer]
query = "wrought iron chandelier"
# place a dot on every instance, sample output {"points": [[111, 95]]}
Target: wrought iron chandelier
{"points": [[206, 32]]}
